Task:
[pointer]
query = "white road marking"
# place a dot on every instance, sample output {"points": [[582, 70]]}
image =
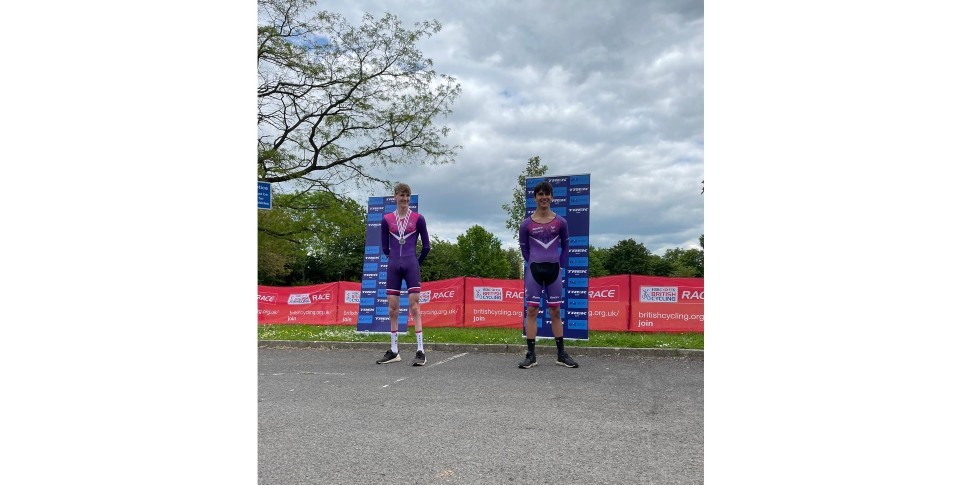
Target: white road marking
{"points": [[444, 361]]}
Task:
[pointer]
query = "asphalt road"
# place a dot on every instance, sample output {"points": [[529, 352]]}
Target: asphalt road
{"points": [[333, 416]]}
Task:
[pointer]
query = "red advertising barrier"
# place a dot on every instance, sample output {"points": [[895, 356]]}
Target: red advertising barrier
{"points": [[311, 305], [441, 303], [609, 300], [616, 303], [348, 303], [491, 302], [666, 304]]}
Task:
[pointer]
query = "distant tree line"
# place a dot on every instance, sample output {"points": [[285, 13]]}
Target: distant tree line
{"points": [[318, 238]]}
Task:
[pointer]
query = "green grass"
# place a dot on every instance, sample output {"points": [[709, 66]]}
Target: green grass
{"points": [[487, 335]]}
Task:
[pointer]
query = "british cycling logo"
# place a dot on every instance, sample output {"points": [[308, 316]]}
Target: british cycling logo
{"points": [[351, 296], [487, 293], [299, 299], [658, 294]]}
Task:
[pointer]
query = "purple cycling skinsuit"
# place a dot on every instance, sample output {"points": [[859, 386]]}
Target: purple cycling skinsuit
{"points": [[398, 240], [544, 248]]}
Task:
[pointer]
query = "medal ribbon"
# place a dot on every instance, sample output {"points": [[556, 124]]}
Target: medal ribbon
{"points": [[402, 229]]}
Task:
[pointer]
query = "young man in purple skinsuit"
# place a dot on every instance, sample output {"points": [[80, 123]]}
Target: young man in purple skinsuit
{"points": [[544, 243], [398, 240]]}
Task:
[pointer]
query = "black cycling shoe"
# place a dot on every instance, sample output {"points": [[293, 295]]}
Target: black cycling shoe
{"points": [[389, 357], [565, 360]]}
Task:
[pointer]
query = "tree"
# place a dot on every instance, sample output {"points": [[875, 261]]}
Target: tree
{"points": [[481, 255], [628, 257], [702, 273], [276, 252], [685, 262], [517, 210], [597, 259], [442, 262], [310, 238], [336, 100], [658, 266], [515, 259]]}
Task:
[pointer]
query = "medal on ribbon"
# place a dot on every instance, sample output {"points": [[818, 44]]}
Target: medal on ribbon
{"points": [[402, 229]]}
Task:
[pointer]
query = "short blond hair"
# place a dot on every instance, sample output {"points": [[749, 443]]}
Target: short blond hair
{"points": [[401, 188]]}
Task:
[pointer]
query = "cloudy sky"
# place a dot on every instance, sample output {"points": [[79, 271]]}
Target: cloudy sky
{"points": [[610, 88]]}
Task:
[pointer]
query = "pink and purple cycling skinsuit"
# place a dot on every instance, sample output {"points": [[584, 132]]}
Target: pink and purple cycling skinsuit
{"points": [[403, 263], [544, 247]]}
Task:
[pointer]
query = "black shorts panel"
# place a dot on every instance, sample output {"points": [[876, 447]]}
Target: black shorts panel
{"points": [[545, 273]]}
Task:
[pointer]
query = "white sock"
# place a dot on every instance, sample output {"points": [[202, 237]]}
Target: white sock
{"points": [[393, 342], [420, 341]]}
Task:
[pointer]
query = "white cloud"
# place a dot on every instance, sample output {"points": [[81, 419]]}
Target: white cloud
{"points": [[612, 88]]}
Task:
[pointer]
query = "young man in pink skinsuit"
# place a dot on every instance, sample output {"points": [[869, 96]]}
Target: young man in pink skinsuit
{"points": [[544, 244], [398, 240]]}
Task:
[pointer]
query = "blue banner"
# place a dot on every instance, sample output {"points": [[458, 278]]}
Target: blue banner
{"points": [[571, 200], [374, 316]]}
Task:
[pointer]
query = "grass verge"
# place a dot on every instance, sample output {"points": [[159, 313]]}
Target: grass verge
{"points": [[488, 335]]}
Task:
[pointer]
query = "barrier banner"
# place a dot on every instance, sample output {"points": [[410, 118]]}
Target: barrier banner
{"points": [[373, 314], [493, 303], [297, 305], [617, 303], [441, 303], [347, 304], [571, 200], [666, 304], [610, 303]]}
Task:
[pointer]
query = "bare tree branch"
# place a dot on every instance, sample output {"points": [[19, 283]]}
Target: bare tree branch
{"points": [[337, 98]]}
